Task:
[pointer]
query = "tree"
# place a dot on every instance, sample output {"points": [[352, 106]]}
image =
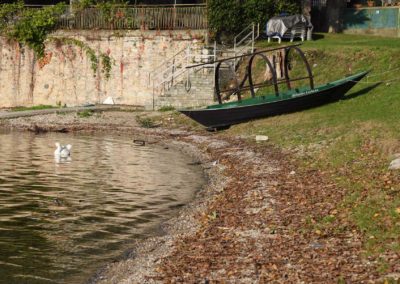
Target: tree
{"points": [[231, 16], [333, 10]]}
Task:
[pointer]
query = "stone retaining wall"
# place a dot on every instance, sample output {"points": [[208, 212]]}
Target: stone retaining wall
{"points": [[64, 76]]}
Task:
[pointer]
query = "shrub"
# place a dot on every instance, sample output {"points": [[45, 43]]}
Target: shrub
{"points": [[85, 113], [32, 27], [29, 26], [228, 17], [166, 108], [145, 122]]}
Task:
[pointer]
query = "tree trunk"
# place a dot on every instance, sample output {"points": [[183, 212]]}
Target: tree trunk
{"points": [[334, 8], [306, 8]]}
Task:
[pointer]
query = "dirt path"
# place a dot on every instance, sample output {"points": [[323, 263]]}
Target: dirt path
{"points": [[257, 220]]}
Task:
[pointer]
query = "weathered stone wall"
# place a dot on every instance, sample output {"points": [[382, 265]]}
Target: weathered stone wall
{"points": [[65, 75], [195, 92]]}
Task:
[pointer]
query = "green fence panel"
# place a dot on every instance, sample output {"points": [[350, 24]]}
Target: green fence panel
{"points": [[371, 18]]}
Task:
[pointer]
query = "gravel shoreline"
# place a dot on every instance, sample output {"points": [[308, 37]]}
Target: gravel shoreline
{"points": [[254, 222], [141, 266]]}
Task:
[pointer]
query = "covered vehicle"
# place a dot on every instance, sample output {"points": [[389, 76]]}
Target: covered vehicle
{"points": [[288, 27]]}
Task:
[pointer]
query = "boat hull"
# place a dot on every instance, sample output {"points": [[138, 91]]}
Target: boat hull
{"points": [[220, 118]]}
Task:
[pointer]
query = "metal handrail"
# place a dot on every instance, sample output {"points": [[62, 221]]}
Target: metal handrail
{"points": [[244, 38], [165, 63], [239, 34], [175, 68], [171, 70], [177, 72], [254, 33], [249, 37]]}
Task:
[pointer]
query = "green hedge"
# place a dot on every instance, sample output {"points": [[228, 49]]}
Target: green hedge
{"points": [[228, 17]]}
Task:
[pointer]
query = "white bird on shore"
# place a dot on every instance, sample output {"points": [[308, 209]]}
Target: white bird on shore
{"points": [[62, 151]]}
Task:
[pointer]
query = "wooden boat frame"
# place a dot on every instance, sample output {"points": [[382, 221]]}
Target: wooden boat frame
{"points": [[240, 86]]}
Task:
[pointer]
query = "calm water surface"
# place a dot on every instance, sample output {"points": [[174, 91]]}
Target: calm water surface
{"points": [[59, 222]]}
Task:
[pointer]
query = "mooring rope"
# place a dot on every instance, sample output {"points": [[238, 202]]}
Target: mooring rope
{"points": [[394, 80], [385, 72], [397, 80], [382, 81]]}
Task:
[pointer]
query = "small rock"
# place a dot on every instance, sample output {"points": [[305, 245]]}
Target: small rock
{"points": [[109, 101], [292, 173], [139, 142], [316, 245], [260, 138], [197, 163], [395, 164]]}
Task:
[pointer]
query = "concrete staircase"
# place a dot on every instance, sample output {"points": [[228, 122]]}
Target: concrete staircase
{"points": [[195, 92], [178, 86]]}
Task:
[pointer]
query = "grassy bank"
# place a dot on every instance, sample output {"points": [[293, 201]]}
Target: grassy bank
{"points": [[38, 107], [354, 139], [351, 141]]}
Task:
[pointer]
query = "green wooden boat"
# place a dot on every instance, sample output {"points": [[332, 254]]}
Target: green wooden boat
{"points": [[220, 116], [223, 115]]}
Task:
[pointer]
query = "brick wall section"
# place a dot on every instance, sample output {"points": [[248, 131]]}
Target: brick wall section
{"points": [[66, 76]]}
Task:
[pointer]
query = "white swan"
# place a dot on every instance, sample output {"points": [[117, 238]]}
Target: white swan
{"points": [[62, 151]]}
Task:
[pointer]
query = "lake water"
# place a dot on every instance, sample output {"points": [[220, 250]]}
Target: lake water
{"points": [[59, 222]]}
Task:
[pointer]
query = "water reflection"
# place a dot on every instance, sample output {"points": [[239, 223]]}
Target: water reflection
{"points": [[62, 160], [57, 217]]}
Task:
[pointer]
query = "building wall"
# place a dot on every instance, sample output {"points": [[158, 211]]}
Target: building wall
{"points": [[65, 75], [381, 21]]}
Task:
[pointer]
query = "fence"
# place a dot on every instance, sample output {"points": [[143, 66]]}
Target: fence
{"points": [[383, 21], [147, 17]]}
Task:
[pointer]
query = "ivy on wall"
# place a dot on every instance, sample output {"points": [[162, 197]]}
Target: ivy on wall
{"points": [[103, 59], [103, 5], [29, 27], [32, 27]]}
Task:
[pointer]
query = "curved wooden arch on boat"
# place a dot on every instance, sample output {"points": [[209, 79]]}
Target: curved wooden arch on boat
{"points": [[270, 66], [286, 65], [240, 85]]}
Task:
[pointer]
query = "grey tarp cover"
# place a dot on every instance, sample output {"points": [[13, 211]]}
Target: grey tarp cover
{"points": [[279, 25]]}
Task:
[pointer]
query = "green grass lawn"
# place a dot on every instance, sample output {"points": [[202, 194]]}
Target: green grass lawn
{"points": [[38, 107], [354, 139]]}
